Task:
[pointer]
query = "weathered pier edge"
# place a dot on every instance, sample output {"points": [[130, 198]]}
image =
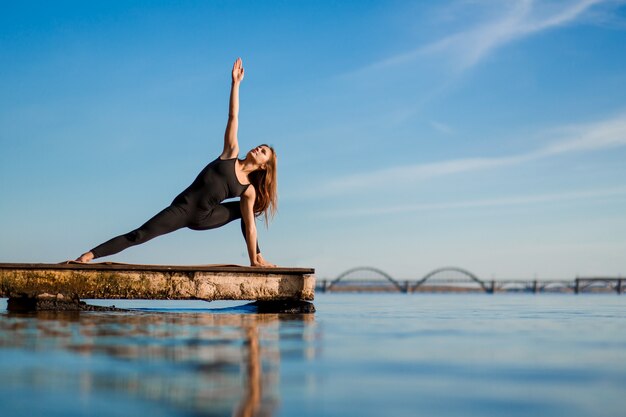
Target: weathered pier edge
{"points": [[59, 286]]}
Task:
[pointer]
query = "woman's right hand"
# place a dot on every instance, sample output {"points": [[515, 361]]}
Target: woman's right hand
{"points": [[238, 71]]}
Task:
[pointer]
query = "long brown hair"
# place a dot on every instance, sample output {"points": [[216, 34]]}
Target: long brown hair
{"points": [[264, 182]]}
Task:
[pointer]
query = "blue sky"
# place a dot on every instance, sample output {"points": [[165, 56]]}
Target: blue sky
{"points": [[486, 135]]}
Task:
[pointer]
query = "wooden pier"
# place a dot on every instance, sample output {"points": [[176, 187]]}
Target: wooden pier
{"points": [[159, 282]]}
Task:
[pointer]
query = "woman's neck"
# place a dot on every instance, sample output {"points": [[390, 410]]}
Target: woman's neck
{"points": [[247, 167]]}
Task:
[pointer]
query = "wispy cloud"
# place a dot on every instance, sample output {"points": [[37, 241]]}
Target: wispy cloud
{"points": [[442, 127], [468, 47], [609, 133], [604, 134], [413, 173], [491, 202]]}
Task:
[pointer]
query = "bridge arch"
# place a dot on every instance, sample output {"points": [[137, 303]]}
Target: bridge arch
{"points": [[369, 269], [453, 269]]}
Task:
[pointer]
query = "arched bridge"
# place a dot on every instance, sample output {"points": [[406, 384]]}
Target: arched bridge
{"points": [[364, 281], [455, 279], [360, 269], [461, 271]]}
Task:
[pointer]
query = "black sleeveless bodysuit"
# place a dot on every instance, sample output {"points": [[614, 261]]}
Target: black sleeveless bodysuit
{"points": [[214, 184], [199, 207]]}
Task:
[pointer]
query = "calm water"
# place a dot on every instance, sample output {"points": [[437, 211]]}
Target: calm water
{"points": [[363, 355]]}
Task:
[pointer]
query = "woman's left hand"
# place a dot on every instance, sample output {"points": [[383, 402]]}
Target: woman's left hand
{"points": [[259, 261], [238, 71]]}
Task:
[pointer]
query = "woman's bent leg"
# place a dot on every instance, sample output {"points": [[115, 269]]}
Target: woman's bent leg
{"points": [[220, 215], [169, 219]]}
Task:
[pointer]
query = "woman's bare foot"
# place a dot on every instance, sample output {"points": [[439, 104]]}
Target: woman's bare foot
{"points": [[85, 257]]}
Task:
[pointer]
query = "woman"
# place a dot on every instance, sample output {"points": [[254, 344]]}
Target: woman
{"points": [[200, 207]]}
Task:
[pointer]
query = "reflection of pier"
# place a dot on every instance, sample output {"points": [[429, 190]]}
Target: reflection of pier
{"points": [[453, 279], [203, 363]]}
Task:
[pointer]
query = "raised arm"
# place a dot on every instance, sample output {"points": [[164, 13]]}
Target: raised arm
{"points": [[231, 145]]}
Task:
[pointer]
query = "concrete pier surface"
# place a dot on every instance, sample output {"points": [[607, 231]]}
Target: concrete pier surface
{"points": [[160, 282]]}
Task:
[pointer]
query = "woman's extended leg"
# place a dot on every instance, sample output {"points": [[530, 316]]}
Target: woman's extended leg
{"points": [[169, 219]]}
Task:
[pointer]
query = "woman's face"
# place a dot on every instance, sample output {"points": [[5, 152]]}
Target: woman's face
{"points": [[260, 155]]}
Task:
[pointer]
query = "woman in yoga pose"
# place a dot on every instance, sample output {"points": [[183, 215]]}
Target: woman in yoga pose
{"points": [[200, 206]]}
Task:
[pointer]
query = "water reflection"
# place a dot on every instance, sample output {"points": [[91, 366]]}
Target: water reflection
{"points": [[185, 363]]}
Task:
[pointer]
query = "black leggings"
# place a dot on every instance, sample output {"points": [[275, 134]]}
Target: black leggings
{"points": [[173, 218]]}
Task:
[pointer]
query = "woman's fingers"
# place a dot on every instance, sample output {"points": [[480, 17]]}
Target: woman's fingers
{"points": [[263, 264], [238, 71]]}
